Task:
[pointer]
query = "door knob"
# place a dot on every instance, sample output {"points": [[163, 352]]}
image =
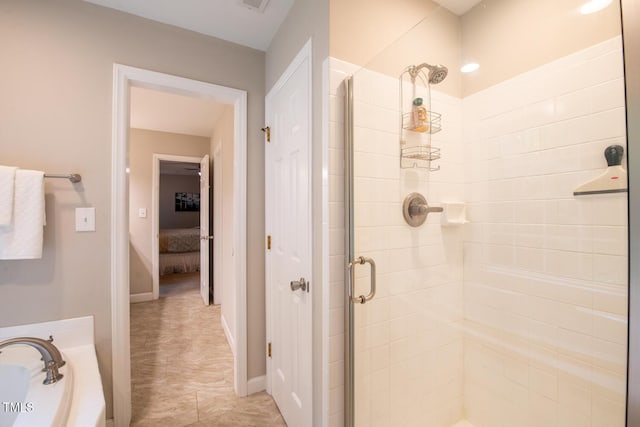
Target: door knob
{"points": [[300, 284]]}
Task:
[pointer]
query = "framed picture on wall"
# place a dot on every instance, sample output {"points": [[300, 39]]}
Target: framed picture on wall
{"points": [[187, 202]]}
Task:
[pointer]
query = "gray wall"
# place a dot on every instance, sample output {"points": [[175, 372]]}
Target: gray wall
{"points": [[56, 87], [308, 19], [169, 186]]}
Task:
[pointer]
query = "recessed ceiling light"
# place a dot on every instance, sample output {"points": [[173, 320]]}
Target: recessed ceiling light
{"points": [[470, 67], [594, 6]]}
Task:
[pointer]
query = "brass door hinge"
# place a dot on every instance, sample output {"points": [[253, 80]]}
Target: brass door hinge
{"points": [[269, 242], [267, 130], [269, 349]]}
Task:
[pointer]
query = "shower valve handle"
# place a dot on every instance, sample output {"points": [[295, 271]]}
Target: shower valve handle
{"points": [[423, 209]]}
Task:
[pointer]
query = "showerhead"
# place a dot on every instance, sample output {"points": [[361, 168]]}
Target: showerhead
{"points": [[437, 73]]}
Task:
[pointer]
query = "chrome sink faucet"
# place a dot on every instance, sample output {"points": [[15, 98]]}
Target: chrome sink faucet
{"points": [[50, 355]]}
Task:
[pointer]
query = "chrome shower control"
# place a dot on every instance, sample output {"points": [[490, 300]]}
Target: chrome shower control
{"points": [[415, 209]]}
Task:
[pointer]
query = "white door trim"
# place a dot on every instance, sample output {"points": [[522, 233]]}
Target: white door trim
{"points": [[155, 213], [123, 78], [305, 54], [216, 182]]}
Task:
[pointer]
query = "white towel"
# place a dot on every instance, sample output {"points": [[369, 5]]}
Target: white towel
{"points": [[23, 238], [7, 183]]}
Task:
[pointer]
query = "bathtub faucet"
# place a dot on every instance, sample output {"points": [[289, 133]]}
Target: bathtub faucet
{"points": [[50, 355]]}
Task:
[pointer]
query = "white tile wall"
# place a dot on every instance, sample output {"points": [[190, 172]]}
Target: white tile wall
{"points": [[519, 317], [545, 272]]}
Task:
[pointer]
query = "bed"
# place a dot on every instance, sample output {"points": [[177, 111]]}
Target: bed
{"points": [[179, 250]]}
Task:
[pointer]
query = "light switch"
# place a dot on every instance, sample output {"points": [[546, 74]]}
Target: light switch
{"points": [[85, 219], [142, 212]]}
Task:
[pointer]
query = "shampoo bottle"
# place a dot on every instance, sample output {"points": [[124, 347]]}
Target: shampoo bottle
{"points": [[420, 123]]}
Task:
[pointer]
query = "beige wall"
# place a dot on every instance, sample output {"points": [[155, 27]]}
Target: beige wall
{"points": [[56, 109], [509, 37], [361, 29], [506, 37], [223, 140], [388, 36], [142, 145], [307, 19]]}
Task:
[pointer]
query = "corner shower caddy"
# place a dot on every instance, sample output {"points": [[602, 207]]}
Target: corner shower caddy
{"points": [[416, 150]]}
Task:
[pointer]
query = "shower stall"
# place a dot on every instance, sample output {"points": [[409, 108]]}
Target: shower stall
{"points": [[479, 290]]}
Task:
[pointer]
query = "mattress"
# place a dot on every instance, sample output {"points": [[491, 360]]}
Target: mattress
{"points": [[179, 240], [185, 262]]}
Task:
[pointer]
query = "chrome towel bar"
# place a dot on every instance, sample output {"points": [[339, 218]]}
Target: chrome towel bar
{"points": [[74, 177]]}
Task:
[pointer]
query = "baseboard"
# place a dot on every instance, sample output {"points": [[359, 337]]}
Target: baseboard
{"points": [[143, 297], [227, 332], [257, 384]]}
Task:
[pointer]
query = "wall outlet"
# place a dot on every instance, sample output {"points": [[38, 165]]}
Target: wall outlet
{"points": [[142, 212]]}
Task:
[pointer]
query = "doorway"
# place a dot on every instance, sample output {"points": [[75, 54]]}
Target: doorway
{"points": [[181, 223], [124, 79]]}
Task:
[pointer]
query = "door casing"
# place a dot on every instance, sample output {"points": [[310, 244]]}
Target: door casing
{"points": [[205, 230], [125, 77], [155, 213]]}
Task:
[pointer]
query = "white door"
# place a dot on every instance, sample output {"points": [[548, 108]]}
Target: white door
{"points": [[288, 222], [204, 229]]}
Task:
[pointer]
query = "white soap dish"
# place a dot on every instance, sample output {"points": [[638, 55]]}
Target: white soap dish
{"points": [[454, 213]]}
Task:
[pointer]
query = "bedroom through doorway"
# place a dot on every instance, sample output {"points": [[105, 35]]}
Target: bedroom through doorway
{"points": [[180, 263]]}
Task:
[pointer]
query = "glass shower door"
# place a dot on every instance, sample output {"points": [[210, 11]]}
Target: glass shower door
{"points": [[482, 291], [406, 294]]}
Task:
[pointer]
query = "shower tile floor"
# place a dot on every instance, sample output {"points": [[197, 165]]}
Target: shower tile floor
{"points": [[182, 366]]}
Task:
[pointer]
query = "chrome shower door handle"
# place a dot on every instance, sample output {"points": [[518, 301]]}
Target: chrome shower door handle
{"points": [[372, 290]]}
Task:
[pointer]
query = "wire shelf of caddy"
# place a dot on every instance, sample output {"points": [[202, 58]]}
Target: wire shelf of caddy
{"points": [[432, 125], [419, 157]]}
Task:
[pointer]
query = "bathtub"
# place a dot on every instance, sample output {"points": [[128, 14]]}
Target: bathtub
{"points": [[76, 400]]}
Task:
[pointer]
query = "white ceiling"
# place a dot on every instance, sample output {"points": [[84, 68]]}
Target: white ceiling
{"points": [[459, 7], [224, 19], [166, 112]]}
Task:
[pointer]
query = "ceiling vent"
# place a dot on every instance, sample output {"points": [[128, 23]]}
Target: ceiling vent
{"points": [[255, 5]]}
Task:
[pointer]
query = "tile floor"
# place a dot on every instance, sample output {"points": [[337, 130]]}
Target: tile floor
{"points": [[182, 366]]}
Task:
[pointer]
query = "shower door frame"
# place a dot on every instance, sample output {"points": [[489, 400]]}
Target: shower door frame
{"points": [[349, 382], [630, 11]]}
